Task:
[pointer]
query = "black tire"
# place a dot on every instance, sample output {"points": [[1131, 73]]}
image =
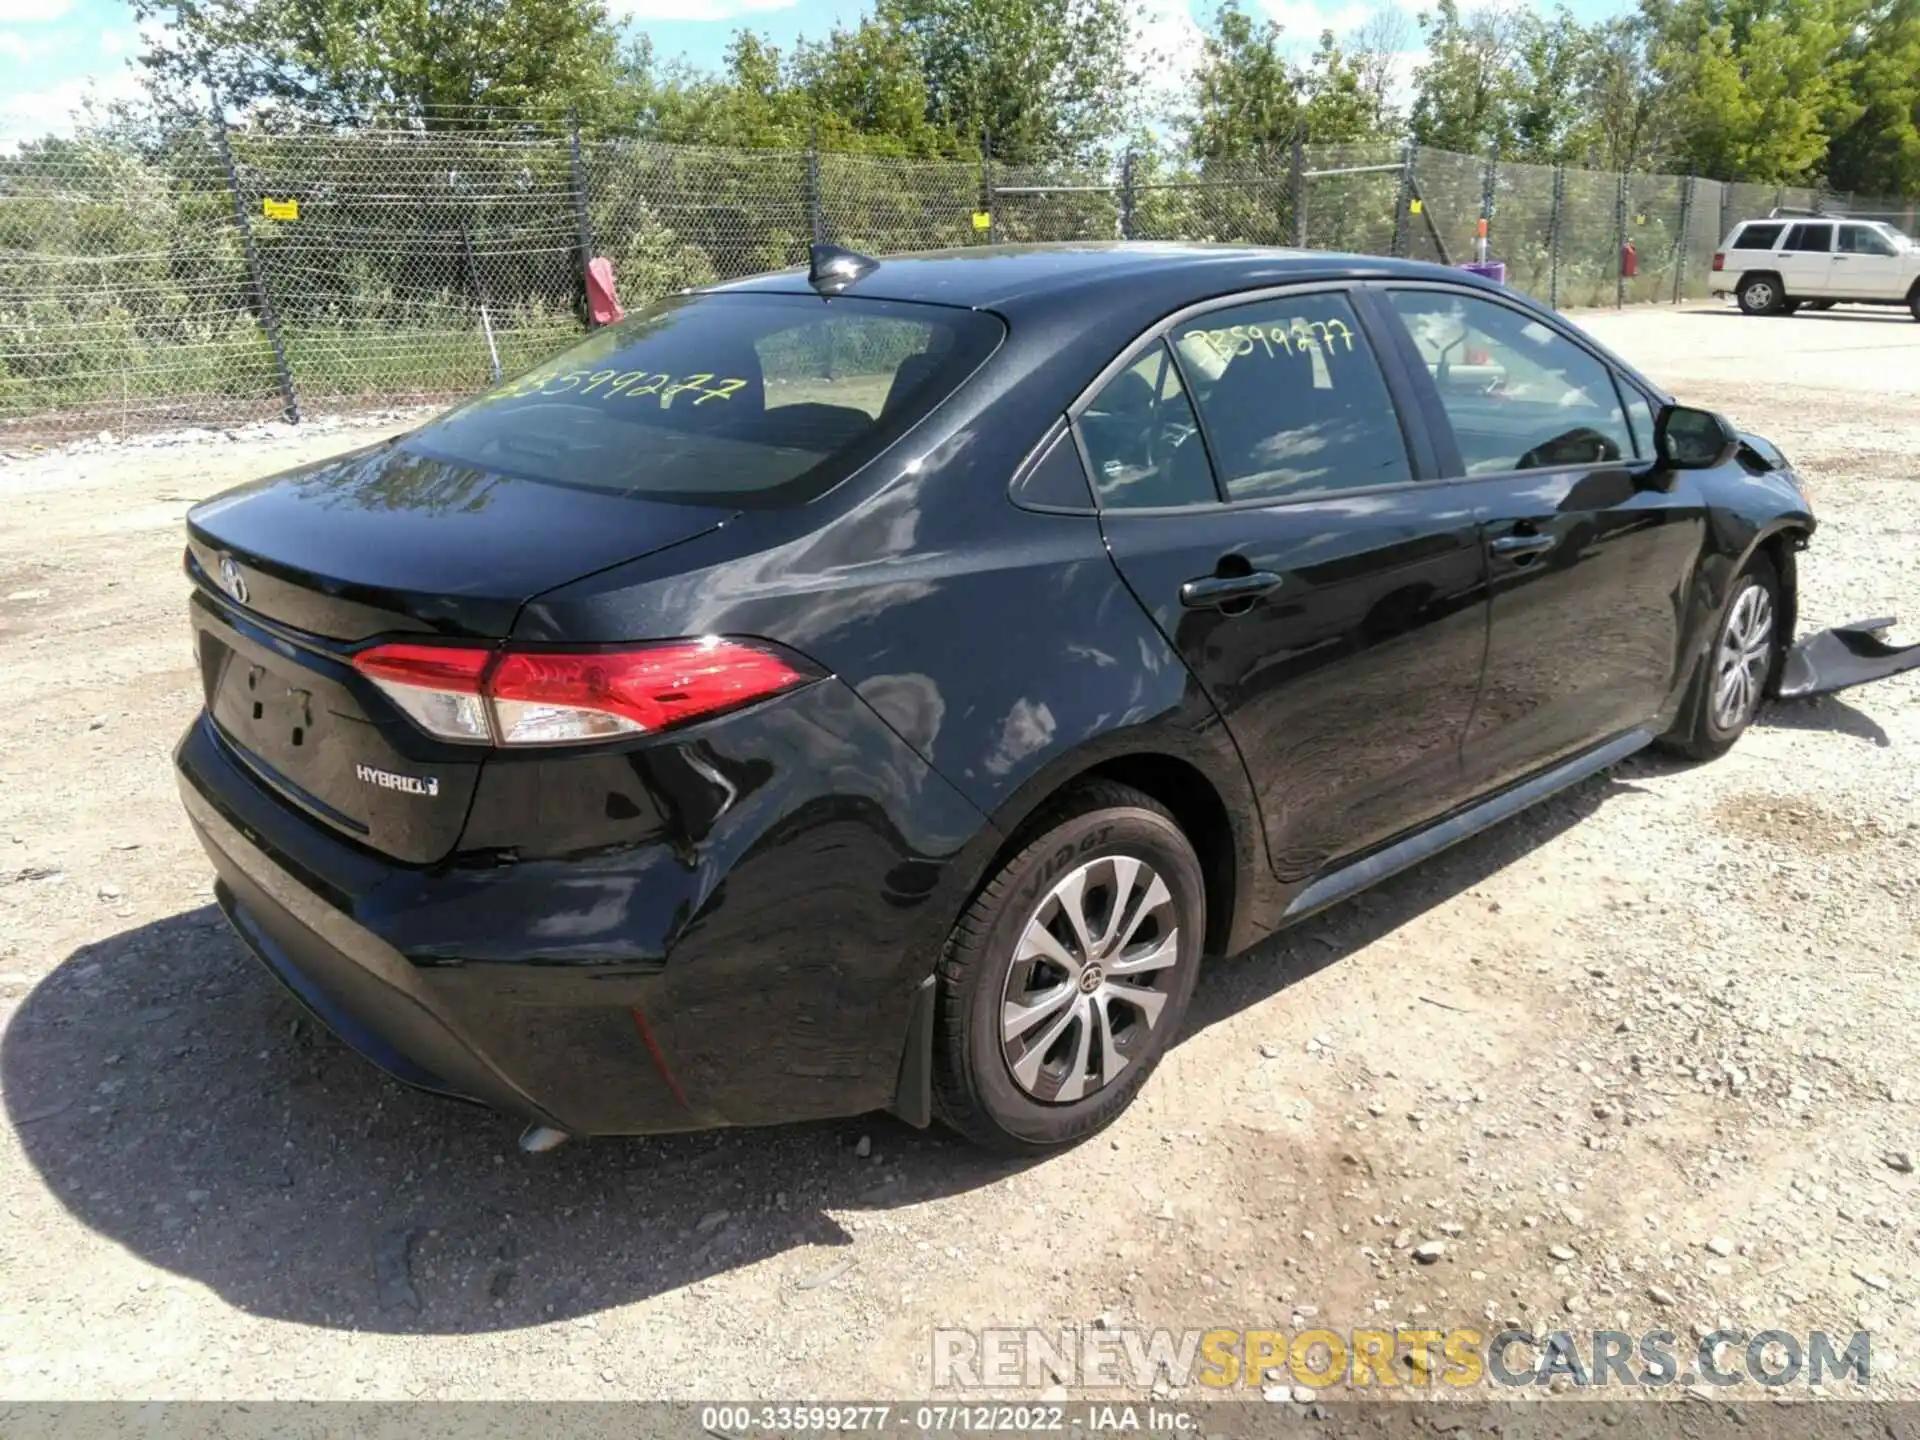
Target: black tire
{"points": [[1761, 294], [1913, 302], [975, 1087], [1700, 733]]}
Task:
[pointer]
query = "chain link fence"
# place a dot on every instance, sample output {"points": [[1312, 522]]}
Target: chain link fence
{"points": [[250, 273]]}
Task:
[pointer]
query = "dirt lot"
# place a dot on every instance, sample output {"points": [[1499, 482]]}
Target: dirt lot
{"points": [[1642, 1058]]}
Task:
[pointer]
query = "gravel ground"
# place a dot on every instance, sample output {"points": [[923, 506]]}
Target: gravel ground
{"points": [[1641, 1058]]}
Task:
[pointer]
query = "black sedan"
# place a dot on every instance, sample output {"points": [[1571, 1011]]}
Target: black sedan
{"points": [[880, 685]]}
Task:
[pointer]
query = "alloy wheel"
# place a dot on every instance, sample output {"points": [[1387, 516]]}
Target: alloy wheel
{"points": [[1760, 295], [1092, 972], [1743, 659]]}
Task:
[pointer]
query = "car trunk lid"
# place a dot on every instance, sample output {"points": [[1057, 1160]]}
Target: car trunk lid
{"points": [[294, 574]]}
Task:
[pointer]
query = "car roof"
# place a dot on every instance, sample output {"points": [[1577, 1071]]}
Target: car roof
{"points": [[1151, 275]]}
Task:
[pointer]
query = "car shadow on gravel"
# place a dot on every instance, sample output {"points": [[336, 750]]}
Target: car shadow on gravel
{"points": [[1292, 955], [1890, 315], [1826, 713], [174, 1099]]}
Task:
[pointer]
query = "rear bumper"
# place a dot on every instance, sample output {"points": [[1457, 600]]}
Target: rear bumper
{"points": [[730, 928], [516, 1038]]}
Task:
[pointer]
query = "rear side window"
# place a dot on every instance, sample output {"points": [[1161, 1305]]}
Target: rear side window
{"points": [[1293, 399], [1864, 240], [1518, 395], [1814, 238], [1143, 441], [734, 399], [1758, 237]]}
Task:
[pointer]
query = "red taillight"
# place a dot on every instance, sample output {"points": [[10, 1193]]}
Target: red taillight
{"points": [[558, 697], [1719, 260]]}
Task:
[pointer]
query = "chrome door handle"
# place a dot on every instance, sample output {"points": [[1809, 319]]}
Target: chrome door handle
{"points": [[1522, 546], [1210, 592]]}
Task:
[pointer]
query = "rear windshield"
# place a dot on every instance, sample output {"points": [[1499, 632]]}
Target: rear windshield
{"points": [[735, 399]]}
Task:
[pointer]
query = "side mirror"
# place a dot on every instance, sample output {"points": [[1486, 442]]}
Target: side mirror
{"points": [[1689, 439]]}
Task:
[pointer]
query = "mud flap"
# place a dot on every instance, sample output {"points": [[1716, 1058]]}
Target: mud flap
{"points": [[1843, 657]]}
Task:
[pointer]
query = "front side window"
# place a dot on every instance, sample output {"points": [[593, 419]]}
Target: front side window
{"points": [[1813, 239], [736, 399], [1143, 441], [1864, 240], [1519, 395], [1758, 237], [1292, 397], [1640, 418]]}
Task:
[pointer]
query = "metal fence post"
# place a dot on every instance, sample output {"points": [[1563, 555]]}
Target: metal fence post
{"points": [[582, 218], [1297, 190], [1489, 183], [1400, 206], [1686, 237], [1553, 235], [1620, 246], [986, 180], [1726, 206], [816, 222], [1126, 195], [268, 320]]}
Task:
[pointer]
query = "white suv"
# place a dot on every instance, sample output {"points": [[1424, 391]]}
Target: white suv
{"points": [[1775, 266]]}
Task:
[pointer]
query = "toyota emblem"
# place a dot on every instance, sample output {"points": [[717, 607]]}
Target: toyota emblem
{"points": [[231, 580]]}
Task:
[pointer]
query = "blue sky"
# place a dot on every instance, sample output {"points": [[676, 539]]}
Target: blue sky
{"points": [[54, 53]]}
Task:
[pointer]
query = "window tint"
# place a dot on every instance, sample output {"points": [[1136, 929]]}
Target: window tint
{"points": [[1864, 240], [1640, 419], [1057, 481], [1142, 439], [1292, 397], [1518, 395], [721, 399], [1817, 238], [1758, 237]]}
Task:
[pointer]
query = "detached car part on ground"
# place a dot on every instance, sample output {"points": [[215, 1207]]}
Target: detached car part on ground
{"points": [[879, 687]]}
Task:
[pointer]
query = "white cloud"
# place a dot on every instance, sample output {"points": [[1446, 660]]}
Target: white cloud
{"points": [[656, 10], [32, 12], [1165, 47], [51, 111], [113, 42], [1303, 20]]}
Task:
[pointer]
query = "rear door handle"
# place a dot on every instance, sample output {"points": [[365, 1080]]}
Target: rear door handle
{"points": [[1210, 592], [1522, 547]]}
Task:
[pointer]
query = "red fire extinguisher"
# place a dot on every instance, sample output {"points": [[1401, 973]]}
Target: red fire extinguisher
{"points": [[1629, 259]]}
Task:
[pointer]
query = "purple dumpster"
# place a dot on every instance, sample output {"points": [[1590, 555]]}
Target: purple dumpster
{"points": [[1494, 270]]}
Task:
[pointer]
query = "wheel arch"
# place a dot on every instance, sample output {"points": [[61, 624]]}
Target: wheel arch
{"points": [[1747, 276], [1200, 799], [1214, 806], [1782, 544]]}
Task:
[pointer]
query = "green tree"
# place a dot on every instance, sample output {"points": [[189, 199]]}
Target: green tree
{"points": [[1465, 90], [1552, 57], [430, 62], [1045, 80], [1247, 98], [1756, 84], [1876, 149], [1626, 110]]}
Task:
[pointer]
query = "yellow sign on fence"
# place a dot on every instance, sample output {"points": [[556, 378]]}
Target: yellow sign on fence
{"points": [[1413, 206], [982, 220], [280, 209]]}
